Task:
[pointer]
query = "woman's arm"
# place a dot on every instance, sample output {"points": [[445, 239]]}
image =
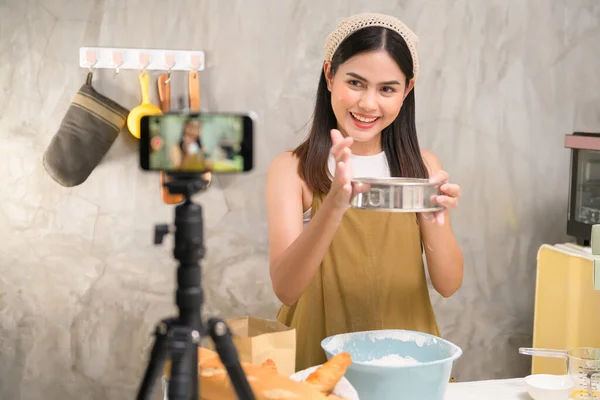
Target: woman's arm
{"points": [[444, 256], [295, 254], [175, 156]]}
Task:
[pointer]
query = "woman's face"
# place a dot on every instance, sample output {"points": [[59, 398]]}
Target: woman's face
{"points": [[191, 132], [367, 93]]}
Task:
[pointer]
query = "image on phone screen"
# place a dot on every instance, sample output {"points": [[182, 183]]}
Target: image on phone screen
{"points": [[197, 143]]}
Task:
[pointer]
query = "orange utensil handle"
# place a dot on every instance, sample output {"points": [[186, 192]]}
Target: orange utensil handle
{"points": [[194, 89], [164, 92], [164, 95]]}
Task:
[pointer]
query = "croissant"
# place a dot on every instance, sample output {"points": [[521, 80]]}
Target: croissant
{"points": [[269, 364], [266, 382], [329, 374]]}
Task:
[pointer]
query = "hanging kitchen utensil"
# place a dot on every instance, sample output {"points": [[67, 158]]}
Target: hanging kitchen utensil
{"points": [[583, 367], [164, 95], [194, 90], [164, 92], [88, 130], [194, 93], [145, 108]]}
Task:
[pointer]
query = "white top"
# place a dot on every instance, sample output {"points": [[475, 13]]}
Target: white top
{"points": [[375, 166]]}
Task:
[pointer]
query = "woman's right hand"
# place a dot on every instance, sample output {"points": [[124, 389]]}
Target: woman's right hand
{"points": [[342, 190]]}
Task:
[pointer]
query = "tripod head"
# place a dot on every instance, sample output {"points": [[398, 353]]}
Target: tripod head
{"points": [[186, 184]]}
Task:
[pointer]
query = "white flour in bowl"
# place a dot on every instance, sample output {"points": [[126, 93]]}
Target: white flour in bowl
{"points": [[392, 360], [337, 343], [403, 336]]}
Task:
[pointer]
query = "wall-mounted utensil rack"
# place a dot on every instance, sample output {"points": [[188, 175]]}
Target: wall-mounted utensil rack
{"points": [[141, 59]]}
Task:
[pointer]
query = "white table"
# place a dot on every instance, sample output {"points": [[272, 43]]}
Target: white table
{"points": [[501, 389]]}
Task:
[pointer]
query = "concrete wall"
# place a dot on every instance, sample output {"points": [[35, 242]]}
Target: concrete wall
{"points": [[81, 283]]}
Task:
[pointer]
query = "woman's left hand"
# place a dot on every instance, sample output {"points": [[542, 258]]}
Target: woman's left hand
{"points": [[450, 192]]}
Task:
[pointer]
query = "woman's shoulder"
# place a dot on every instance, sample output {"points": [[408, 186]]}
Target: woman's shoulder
{"points": [[284, 167], [432, 162], [287, 159], [283, 174]]}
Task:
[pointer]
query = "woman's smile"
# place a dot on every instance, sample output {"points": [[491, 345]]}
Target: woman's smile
{"points": [[363, 121]]}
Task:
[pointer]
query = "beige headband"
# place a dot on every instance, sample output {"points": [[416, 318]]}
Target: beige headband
{"points": [[351, 24]]}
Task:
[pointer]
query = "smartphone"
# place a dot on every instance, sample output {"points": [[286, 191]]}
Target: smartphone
{"points": [[179, 142]]}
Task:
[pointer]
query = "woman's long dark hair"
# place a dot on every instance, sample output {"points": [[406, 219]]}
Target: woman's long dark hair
{"points": [[398, 140], [182, 143]]}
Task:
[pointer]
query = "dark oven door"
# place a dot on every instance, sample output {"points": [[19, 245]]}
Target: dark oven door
{"points": [[584, 192]]}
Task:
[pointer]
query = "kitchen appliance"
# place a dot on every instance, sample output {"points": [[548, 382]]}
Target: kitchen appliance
{"points": [[397, 195], [584, 191], [567, 315]]}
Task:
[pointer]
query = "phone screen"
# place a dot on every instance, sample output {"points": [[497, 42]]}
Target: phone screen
{"points": [[196, 143]]}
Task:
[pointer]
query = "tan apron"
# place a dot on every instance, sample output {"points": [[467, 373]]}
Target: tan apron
{"points": [[372, 277]]}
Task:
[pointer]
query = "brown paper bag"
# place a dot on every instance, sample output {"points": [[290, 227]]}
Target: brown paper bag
{"points": [[257, 340]]}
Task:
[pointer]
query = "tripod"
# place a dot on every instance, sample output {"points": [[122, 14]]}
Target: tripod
{"points": [[179, 337]]}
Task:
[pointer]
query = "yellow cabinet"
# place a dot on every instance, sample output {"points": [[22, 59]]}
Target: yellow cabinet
{"points": [[567, 307]]}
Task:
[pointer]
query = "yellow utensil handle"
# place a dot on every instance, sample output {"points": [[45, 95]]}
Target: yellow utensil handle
{"points": [[144, 82]]}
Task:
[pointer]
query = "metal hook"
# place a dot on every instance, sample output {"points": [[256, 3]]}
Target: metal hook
{"points": [[91, 58], [92, 66], [169, 73], [170, 62], [144, 58]]}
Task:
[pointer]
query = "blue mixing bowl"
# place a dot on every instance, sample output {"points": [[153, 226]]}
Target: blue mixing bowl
{"points": [[376, 375]]}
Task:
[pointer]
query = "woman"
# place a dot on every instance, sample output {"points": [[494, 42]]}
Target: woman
{"points": [[352, 270], [187, 155]]}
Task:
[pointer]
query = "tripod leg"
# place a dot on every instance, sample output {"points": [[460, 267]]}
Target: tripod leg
{"points": [[158, 357], [221, 336], [183, 383]]}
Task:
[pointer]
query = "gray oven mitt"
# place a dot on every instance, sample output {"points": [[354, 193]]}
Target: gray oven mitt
{"points": [[86, 133]]}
